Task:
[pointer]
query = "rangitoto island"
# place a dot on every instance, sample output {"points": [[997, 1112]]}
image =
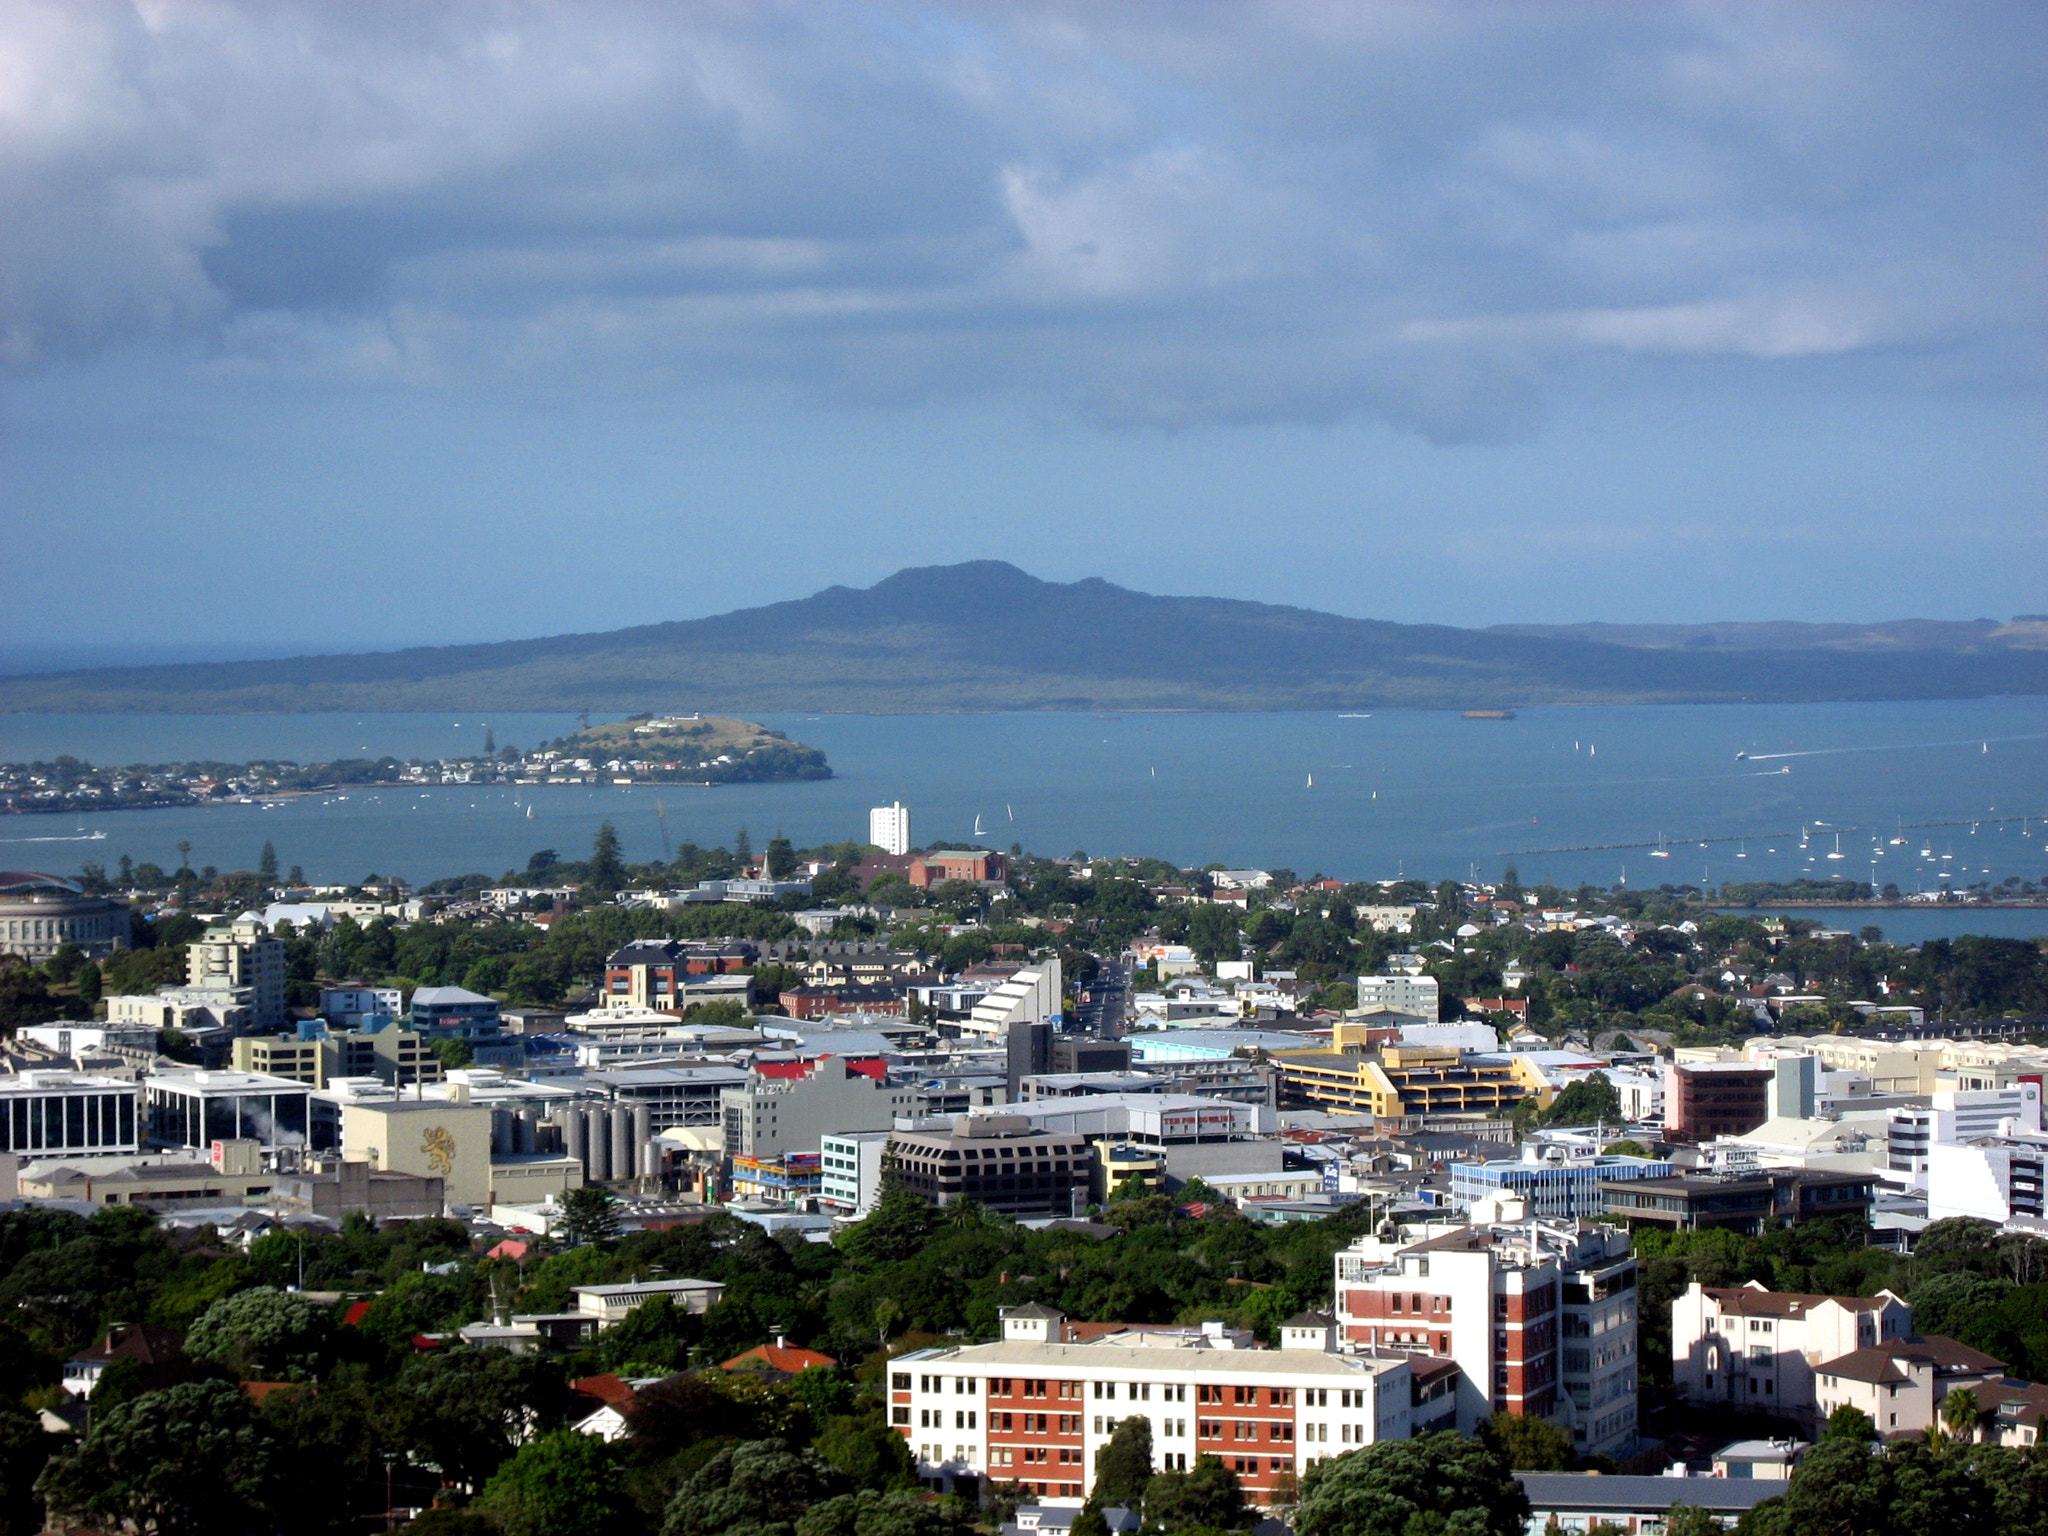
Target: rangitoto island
{"points": [[986, 636], [645, 749]]}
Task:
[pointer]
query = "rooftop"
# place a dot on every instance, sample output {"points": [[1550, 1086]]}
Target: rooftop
{"points": [[1177, 1356]]}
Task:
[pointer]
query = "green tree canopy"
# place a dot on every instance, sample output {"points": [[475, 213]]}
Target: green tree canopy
{"points": [[191, 1460], [1850, 1423], [607, 871], [589, 1215], [1206, 1497], [1439, 1485], [761, 1488], [560, 1484], [872, 1513], [1124, 1467], [1529, 1443], [262, 1334], [868, 1451]]}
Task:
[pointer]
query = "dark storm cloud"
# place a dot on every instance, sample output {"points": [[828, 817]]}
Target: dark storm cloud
{"points": [[1172, 215]]}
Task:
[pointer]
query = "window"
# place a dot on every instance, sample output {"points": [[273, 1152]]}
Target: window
{"points": [[900, 1381], [899, 1416]]}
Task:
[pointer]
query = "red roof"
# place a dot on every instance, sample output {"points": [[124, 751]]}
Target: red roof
{"points": [[510, 1248], [355, 1314], [607, 1388], [781, 1357]]}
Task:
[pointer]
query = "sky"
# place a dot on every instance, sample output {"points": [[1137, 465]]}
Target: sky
{"points": [[346, 326]]}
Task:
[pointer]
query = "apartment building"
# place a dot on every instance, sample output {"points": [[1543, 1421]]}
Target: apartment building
{"points": [[1900, 1384], [1039, 1412], [1742, 1202], [656, 973], [889, 828], [389, 1054], [1748, 1347], [1538, 1315], [239, 954], [850, 1164], [1030, 996]]}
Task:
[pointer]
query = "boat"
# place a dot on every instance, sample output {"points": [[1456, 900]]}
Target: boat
{"points": [[1742, 849], [1660, 851], [529, 813], [1742, 757], [977, 826], [1898, 839], [1354, 717], [1006, 808], [1838, 847], [1311, 781], [1489, 714]]}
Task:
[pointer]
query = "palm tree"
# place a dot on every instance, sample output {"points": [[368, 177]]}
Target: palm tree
{"points": [[1959, 1411]]}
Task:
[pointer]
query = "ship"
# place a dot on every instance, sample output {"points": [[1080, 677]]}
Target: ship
{"points": [[1489, 714]]}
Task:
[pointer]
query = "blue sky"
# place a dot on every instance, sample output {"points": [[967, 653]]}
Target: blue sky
{"points": [[345, 326]]}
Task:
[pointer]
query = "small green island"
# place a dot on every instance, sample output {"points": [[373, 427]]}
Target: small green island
{"points": [[644, 749]]}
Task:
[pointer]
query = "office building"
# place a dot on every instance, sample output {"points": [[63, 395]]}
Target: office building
{"points": [[998, 1161], [315, 1057], [674, 1096], [792, 1106], [241, 954], [346, 1007], [850, 1165], [455, 1011], [889, 828], [1035, 1411], [1539, 1316], [1404, 1083], [40, 913], [430, 1138], [1706, 1099], [1751, 1348], [1194, 1137], [45, 1114], [1554, 1181], [1955, 1117], [1992, 1178], [1742, 1202], [1416, 996], [196, 1108]]}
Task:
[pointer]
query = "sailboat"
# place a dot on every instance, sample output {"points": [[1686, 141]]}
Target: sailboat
{"points": [[1660, 851], [1010, 813], [1838, 847], [1311, 781], [977, 826], [1898, 838], [1742, 851], [529, 813]]}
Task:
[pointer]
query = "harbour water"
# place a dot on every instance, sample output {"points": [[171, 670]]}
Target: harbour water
{"points": [[1567, 794]]}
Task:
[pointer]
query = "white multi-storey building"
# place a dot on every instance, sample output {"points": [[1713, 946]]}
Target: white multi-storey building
{"points": [[889, 827], [1030, 996], [1752, 1348], [1954, 1117], [239, 954], [47, 1114], [1993, 1178], [850, 1167], [1037, 1411]]}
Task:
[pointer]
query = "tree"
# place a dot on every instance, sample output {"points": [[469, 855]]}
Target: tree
{"points": [[1208, 1497], [454, 1052], [468, 1410], [869, 1513], [24, 1452], [1851, 1423], [897, 1228], [266, 863], [191, 1460], [868, 1451], [91, 983], [1530, 1443], [761, 1488], [607, 872], [1124, 1467], [781, 858], [1593, 1097], [1692, 1520], [1960, 1412], [589, 1215], [1438, 1483], [561, 1484], [262, 1334], [1625, 1148], [25, 998], [742, 848]]}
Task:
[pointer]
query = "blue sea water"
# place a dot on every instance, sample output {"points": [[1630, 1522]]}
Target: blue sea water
{"points": [[1569, 794]]}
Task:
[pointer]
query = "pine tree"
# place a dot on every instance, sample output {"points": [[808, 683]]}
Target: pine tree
{"points": [[266, 863], [607, 870]]}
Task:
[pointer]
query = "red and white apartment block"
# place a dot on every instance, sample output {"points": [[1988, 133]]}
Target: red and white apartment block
{"points": [[1539, 1317], [1039, 1412]]}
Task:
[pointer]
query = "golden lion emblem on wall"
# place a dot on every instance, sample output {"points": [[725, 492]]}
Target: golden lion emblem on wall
{"points": [[439, 1146]]}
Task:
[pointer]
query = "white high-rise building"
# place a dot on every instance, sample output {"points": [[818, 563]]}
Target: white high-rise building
{"points": [[889, 828]]}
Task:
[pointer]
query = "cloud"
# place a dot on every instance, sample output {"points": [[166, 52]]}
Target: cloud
{"points": [[1169, 215]]}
